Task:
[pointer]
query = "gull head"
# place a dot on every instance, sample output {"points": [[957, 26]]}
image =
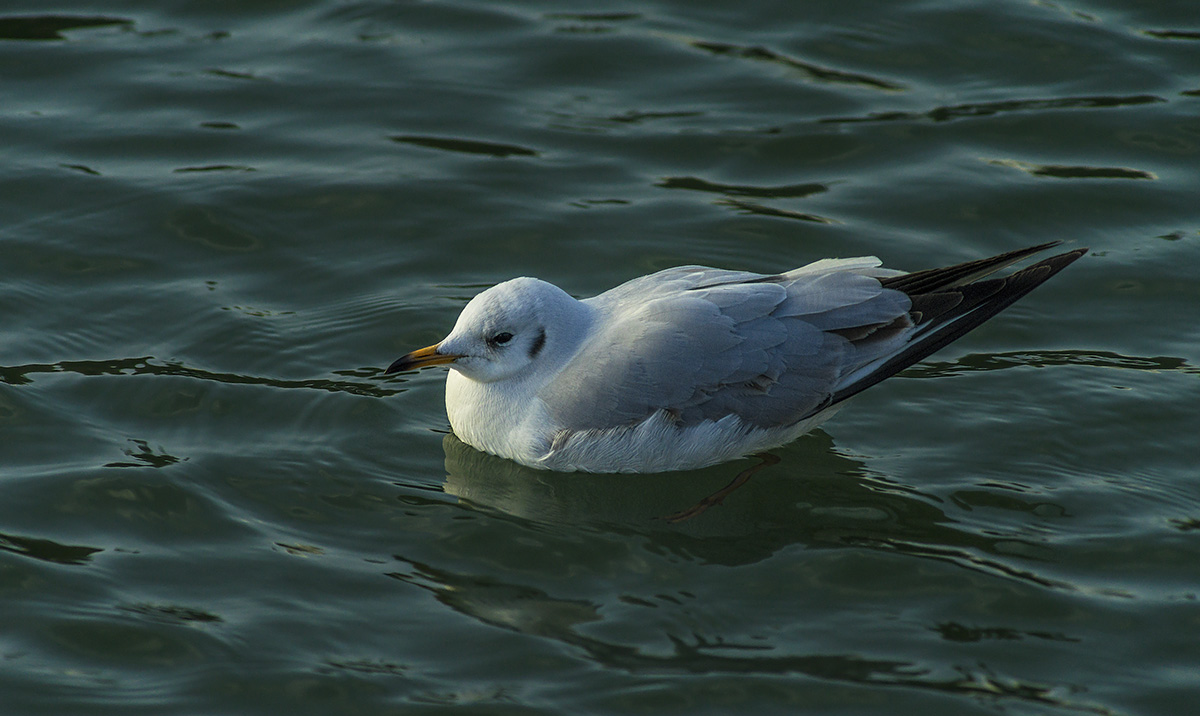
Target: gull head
{"points": [[506, 332]]}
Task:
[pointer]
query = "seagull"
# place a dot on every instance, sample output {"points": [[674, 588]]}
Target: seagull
{"points": [[693, 366]]}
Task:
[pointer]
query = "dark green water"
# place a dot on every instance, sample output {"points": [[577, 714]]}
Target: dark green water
{"points": [[218, 225]]}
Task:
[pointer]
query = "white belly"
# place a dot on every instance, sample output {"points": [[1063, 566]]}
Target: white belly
{"points": [[494, 422]]}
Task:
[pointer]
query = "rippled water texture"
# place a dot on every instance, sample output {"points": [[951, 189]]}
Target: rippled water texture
{"points": [[220, 221]]}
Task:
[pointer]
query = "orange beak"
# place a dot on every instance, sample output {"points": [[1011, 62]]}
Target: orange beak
{"points": [[420, 358]]}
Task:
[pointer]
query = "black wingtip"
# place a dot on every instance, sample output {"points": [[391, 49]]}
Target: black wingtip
{"points": [[930, 280], [969, 304], [1054, 263]]}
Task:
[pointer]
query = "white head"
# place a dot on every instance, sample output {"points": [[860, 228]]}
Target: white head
{"points": [[506, 330]]}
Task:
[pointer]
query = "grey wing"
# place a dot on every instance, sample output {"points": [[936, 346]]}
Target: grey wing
{"points": [[702, 344]]}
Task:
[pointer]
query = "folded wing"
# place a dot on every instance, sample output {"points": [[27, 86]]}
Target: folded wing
{"points": [[701, 344]]}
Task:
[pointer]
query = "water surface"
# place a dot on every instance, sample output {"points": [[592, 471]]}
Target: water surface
{"points": [[218, 225]]}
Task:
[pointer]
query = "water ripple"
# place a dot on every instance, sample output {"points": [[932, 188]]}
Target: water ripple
{"points": [[1044, 359], [148, 365], [532, 611], [47, 550], [790, 191], [810, 70], [988, 109], [1061, 171], [52, 27], [466, 146]]}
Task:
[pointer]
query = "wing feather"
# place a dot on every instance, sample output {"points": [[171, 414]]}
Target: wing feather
{"points": [[699, 344]]}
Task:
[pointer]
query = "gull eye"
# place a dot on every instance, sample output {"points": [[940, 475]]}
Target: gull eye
{"points": [[500, 338]]}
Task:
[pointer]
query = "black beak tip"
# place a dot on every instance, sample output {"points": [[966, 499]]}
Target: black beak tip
{"points": [[401, 363]]}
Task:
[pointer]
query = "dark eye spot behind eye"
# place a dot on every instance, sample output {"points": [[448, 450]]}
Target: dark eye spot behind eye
{"points": [[537, 343]]}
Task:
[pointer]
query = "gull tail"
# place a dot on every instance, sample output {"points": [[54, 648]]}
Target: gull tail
{"points": [[948, 302]]}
